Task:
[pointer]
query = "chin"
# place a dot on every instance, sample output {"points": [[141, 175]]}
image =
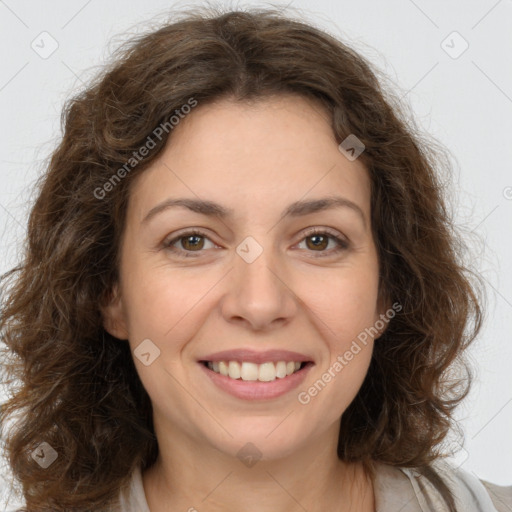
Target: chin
{"points": [[261, 438]]}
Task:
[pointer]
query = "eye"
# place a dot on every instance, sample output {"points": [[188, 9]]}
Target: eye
{"points": [[190, 241], [194, 241], [320, 240]]}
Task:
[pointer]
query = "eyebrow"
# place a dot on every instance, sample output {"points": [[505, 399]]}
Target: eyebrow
{"points": [[296, 209]]}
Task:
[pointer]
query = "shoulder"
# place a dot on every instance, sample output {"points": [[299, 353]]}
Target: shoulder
{"points": [[409, 490], [501, 496], [132, 497], [470, 490]]}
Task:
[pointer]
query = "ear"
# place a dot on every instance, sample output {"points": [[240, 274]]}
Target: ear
{"points": [[114, 317]]}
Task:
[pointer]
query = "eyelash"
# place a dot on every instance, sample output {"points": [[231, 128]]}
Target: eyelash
{"points": [[342, 243]]}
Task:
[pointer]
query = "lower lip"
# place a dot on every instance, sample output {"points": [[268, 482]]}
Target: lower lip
{"points": [[256, 390]]}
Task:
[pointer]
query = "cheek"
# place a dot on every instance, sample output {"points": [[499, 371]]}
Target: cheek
{"points": [[343, 380], [159, 300], [163, 301], [349, 309], [346, 304]]}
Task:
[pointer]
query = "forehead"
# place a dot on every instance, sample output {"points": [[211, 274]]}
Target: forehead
{"points": [[272, 151]]}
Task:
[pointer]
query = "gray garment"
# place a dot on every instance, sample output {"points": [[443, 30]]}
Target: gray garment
{"points": [[407, 490], [396, 489]]}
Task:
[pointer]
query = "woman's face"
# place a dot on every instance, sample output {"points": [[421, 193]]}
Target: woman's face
{"points": [[256, 286]]}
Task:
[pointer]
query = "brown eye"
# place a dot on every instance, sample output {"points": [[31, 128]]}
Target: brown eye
{"points": [[317, 240], [190, 242]]}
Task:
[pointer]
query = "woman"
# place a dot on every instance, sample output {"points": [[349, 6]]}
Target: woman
{"points": [[241, 289]]}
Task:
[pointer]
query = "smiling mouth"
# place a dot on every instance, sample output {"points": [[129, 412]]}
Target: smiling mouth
{"points": [[248, 371]]}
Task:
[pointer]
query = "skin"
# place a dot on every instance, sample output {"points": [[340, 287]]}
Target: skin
{"points": [[256, 159]]}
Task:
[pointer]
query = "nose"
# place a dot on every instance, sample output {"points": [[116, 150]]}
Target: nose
{"points": [[258, 294]]}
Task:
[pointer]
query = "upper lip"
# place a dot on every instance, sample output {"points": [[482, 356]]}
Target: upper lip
{"points": [[253, 356]]}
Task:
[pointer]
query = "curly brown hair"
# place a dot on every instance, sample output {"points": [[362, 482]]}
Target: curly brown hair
{"points": [[75, 386]]}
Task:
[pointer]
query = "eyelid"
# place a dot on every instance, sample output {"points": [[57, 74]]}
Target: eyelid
{"points": [[327, 231], [176, 237], [342, 241]]}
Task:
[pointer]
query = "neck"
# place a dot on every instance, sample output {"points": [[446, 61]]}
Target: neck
{"points": [[193, 477]]}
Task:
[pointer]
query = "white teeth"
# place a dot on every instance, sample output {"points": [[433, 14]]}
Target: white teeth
{"points": [[249, 371], [266, 372], [223, 368], [281, 370], [234, 369]]}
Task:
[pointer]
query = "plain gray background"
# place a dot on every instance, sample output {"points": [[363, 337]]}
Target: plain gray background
{"points": [[462, 96]]}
